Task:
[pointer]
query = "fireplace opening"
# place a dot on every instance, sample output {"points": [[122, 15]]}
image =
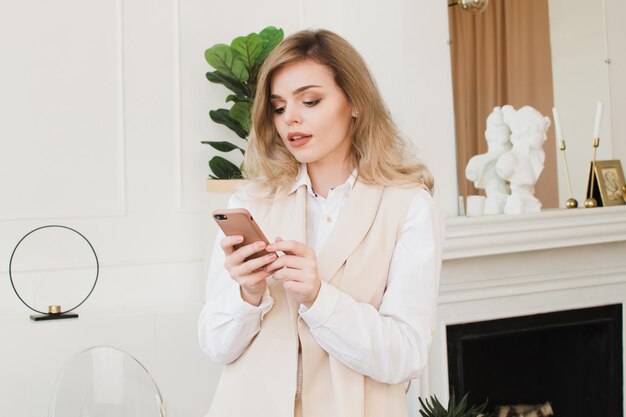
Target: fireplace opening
{"points": [[572, 359]]}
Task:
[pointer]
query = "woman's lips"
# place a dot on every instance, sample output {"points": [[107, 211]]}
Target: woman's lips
{"points": [[298, 139]]}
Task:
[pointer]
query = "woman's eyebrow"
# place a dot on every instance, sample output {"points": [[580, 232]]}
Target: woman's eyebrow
{"points": [[296, 91]]}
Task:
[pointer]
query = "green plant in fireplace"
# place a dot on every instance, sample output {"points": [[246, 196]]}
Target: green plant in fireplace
{"points": [[236, 68], [433, 408]]}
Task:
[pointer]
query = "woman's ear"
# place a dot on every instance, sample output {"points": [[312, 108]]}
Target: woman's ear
{"points": [[355, 113]]}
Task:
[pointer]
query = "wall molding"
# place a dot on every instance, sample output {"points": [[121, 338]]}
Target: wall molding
{"points": [[158, 261], [56, 216], [120, 117], [178, 126], [122, 263]]}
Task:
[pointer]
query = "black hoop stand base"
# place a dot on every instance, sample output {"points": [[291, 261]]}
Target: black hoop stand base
{"points": [[40, 317]]}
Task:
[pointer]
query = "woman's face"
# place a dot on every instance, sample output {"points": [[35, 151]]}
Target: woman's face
{"points": [[311, 113]]}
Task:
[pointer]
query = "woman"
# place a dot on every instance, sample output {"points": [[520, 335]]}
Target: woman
{"points": [[343, 318]]}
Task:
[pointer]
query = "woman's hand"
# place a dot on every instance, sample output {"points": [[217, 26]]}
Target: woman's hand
{"points": [[251, 274], [297, 269]]}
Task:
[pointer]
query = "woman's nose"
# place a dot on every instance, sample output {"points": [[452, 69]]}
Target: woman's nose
{"points": [[291, 116]]}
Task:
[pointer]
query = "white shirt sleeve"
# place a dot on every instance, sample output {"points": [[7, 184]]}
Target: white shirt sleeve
{"points": [[227, 323], [389, 344]]}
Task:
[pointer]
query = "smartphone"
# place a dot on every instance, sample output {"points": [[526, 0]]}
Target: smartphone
{"points": [[239, 221]]}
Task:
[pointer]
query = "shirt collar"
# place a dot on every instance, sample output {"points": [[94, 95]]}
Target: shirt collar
{"points": [[304, 179]]}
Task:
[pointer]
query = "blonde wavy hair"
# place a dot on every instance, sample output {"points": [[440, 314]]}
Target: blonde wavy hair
{"points": [[378, 151]]}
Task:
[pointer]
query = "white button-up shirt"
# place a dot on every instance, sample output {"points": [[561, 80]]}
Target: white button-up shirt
{"points": [[397, 335]]}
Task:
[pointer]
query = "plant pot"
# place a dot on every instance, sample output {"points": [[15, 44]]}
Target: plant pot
{"points": [[224, 186]]}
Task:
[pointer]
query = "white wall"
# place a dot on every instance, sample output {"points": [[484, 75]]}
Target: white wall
{"points": [[103, 110]]}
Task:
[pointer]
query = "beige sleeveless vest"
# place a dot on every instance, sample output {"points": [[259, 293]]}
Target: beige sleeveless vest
{"points": [[355, 259]]}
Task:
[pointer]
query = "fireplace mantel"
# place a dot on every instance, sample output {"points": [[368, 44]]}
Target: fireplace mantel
{"points": [[505, 266], [501, 234]]}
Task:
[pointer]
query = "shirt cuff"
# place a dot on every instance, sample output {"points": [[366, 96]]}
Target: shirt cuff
{"points": [[242, 309], [322, 308]]}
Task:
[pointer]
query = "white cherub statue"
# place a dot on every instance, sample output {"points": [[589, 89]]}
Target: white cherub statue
{"points": [[482, 168], [523, 164]]}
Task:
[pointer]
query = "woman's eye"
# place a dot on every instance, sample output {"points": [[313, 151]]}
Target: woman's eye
{"points": [[311, 103], [279, 110]]}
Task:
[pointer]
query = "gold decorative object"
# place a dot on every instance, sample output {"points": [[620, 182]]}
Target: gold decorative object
{"points": [[591, 202], [54, 309], [474, 6], [571, 201], [609, 178]]}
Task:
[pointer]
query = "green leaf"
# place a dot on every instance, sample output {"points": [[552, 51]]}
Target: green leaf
{"points": [[430, 409], [223, 146], [247, 48], [222, 116], [241, 113], [425, 411], [271, 38], [222, 58], [452, 405], [230, 82], [224, 169], [236, 99], [438, 408]]}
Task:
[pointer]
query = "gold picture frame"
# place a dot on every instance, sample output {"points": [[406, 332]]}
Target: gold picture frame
{"points": [[608, 183]]}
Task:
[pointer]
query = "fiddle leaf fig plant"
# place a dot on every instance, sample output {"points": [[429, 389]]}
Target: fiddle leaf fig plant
{"points": [[236, 68]]}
